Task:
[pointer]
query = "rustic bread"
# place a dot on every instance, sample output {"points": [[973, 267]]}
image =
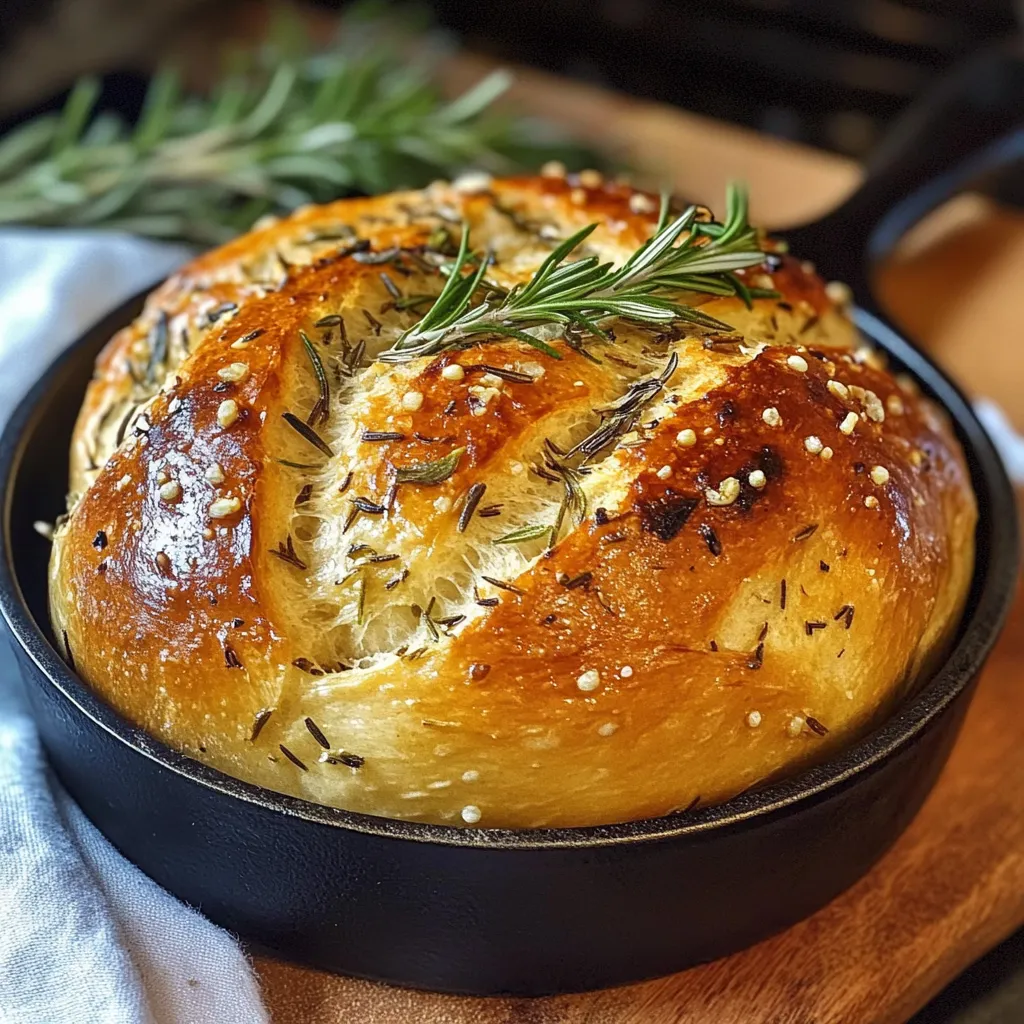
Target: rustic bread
{"points": [[777, 544]]}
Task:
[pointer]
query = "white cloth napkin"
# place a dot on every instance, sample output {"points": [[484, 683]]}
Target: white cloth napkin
{"points": [[85, 937]]}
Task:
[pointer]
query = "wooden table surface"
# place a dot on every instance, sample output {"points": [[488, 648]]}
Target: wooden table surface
{"points": [[953, 886]]}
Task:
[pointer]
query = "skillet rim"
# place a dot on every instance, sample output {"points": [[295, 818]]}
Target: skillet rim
{"points": [[992, 593]]}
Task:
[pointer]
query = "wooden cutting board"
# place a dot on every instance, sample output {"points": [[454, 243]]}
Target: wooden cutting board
{"points": [[953, 886]]}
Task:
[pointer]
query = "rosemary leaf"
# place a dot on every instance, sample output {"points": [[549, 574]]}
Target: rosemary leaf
{"points": [[524, 533], [435, 472]]}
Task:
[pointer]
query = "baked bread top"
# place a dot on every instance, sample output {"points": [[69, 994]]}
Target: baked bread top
{"points": [[335, 575]]}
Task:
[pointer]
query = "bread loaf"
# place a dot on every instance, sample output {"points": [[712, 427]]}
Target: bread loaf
{"points": [[335, 576]]}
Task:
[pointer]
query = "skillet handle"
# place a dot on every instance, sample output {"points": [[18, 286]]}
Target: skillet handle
{"points": [[970, 125]]}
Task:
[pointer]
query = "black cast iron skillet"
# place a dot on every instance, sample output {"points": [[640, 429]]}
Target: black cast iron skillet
{"points": [[529, 912]]}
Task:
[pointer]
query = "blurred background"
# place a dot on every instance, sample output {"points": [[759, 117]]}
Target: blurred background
{"points": [[827, 74]]}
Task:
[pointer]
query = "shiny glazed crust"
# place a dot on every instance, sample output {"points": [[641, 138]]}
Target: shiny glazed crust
{"points": [[771, 554]]}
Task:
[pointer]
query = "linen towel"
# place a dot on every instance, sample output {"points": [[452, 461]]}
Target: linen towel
{"points": [[85, 937]]}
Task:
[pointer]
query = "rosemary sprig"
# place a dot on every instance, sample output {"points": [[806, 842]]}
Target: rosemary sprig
{"points": [[283, 127], [683, 256]]}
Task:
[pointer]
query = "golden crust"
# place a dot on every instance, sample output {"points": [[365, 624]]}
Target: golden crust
{"points": [[772, 555]]}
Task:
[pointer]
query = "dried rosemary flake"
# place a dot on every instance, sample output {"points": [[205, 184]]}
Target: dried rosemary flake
{"points": [[366, 505], [261, 719], [582, 580], [286, 552], [395, 580], [381, 435], [429, 624], [473, 496], [449, 620], [353, 761], [512, 376], [222, 310], [846, 614], [711, 539], [308, 433], [361, 255], [815, 726], [374, 323], [502, 584], [317, 733], [291, 757]]}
